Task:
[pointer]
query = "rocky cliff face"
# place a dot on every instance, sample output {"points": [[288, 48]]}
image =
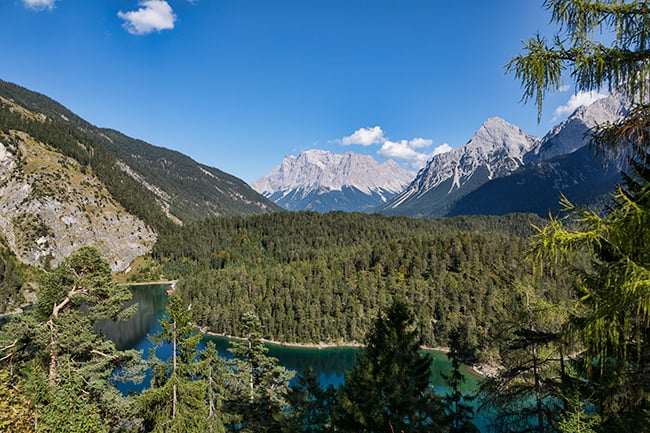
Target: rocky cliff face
{"points": [[572, 134], [324, 181], [49, 208], [497, 149]]}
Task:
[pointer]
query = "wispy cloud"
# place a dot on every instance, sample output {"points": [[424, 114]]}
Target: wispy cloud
{"points": [[152, 16], [39, 5], [577, 100], [365, 137]]}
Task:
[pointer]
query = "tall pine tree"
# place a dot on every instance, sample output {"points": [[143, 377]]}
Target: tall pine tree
{"points": [[387, 389]]}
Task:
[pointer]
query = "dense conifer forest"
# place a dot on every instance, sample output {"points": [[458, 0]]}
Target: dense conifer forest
{"points": [[323, 278]]}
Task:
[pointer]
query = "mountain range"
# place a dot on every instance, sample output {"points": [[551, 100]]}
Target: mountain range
{"points": [[65, 183], [324, 181], [501, 169]]}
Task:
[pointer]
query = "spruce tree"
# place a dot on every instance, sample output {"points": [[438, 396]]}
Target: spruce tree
{"points": [[309, 405], [388, 387], [460, 412], [260, 385], [176, 400]]}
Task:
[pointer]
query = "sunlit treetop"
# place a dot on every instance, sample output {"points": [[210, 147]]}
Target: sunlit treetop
{"points": [[598, 44]]}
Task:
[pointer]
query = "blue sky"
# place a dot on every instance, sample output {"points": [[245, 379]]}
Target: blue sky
{"points": [[240, 84]]}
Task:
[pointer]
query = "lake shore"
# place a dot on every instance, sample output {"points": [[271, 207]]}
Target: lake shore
{"points": [[480, 370]]}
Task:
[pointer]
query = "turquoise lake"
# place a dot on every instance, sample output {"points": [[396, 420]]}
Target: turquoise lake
{"points": [[329, 364]]}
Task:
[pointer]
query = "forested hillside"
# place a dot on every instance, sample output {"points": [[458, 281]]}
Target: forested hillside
{"points": [[156, 184], [13, 276], [323, 278], [77, 143]]}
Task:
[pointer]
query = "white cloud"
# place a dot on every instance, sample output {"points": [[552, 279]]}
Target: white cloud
{"points": [[564, 88], [39, 5], [365, 137], [153, 15], [405, 151], [577, 100], [443, 148], [418, 143]]}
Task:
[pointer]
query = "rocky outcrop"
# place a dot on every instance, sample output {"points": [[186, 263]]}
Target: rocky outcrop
{"points": [[324, 181], [50, 206]]}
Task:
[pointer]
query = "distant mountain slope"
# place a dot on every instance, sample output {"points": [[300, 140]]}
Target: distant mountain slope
{"points": [[496, 150], [324, 181], [65, 183], [478, 177], [50, 206], [538, 188], [154, 183]]}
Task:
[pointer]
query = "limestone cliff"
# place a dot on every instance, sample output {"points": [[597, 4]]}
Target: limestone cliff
{"points": [[51, 206]]}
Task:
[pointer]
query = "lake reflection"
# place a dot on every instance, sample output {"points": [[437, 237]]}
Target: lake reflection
{"points": [[329, 364]]}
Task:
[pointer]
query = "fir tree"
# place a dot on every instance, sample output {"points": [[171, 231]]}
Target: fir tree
{"points": [[259, 386], [388, 388]]}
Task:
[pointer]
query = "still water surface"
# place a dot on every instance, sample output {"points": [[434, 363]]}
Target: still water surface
{"points": [[329, 364]]}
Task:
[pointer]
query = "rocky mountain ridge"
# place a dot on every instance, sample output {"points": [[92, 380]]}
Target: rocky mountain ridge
{"points": [[497, 151], [49, 208], [323, 181]]}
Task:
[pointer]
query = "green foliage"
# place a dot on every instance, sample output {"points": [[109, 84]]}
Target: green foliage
{"points": [[622, 65], [259, 386], [611, 317], [13, 276], [67, 367], [579, 419], [314, 277], [526, 394], [388, 387], [310, 406], [176, 400], [459, 411], [16, 414]]}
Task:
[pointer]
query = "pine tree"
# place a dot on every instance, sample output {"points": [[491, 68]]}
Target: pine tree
{"points": [[176, 400], [388, 388], [260, 385], [66, 365]]}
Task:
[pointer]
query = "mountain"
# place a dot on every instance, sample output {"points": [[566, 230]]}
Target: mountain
{"points": [[181, 188], [537, 188], [571, 134], [65, 183], [324, 181], [502, 169], [496, 150]]}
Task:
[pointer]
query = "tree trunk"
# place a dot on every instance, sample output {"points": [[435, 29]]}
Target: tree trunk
{"points": [[174, 377]]}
